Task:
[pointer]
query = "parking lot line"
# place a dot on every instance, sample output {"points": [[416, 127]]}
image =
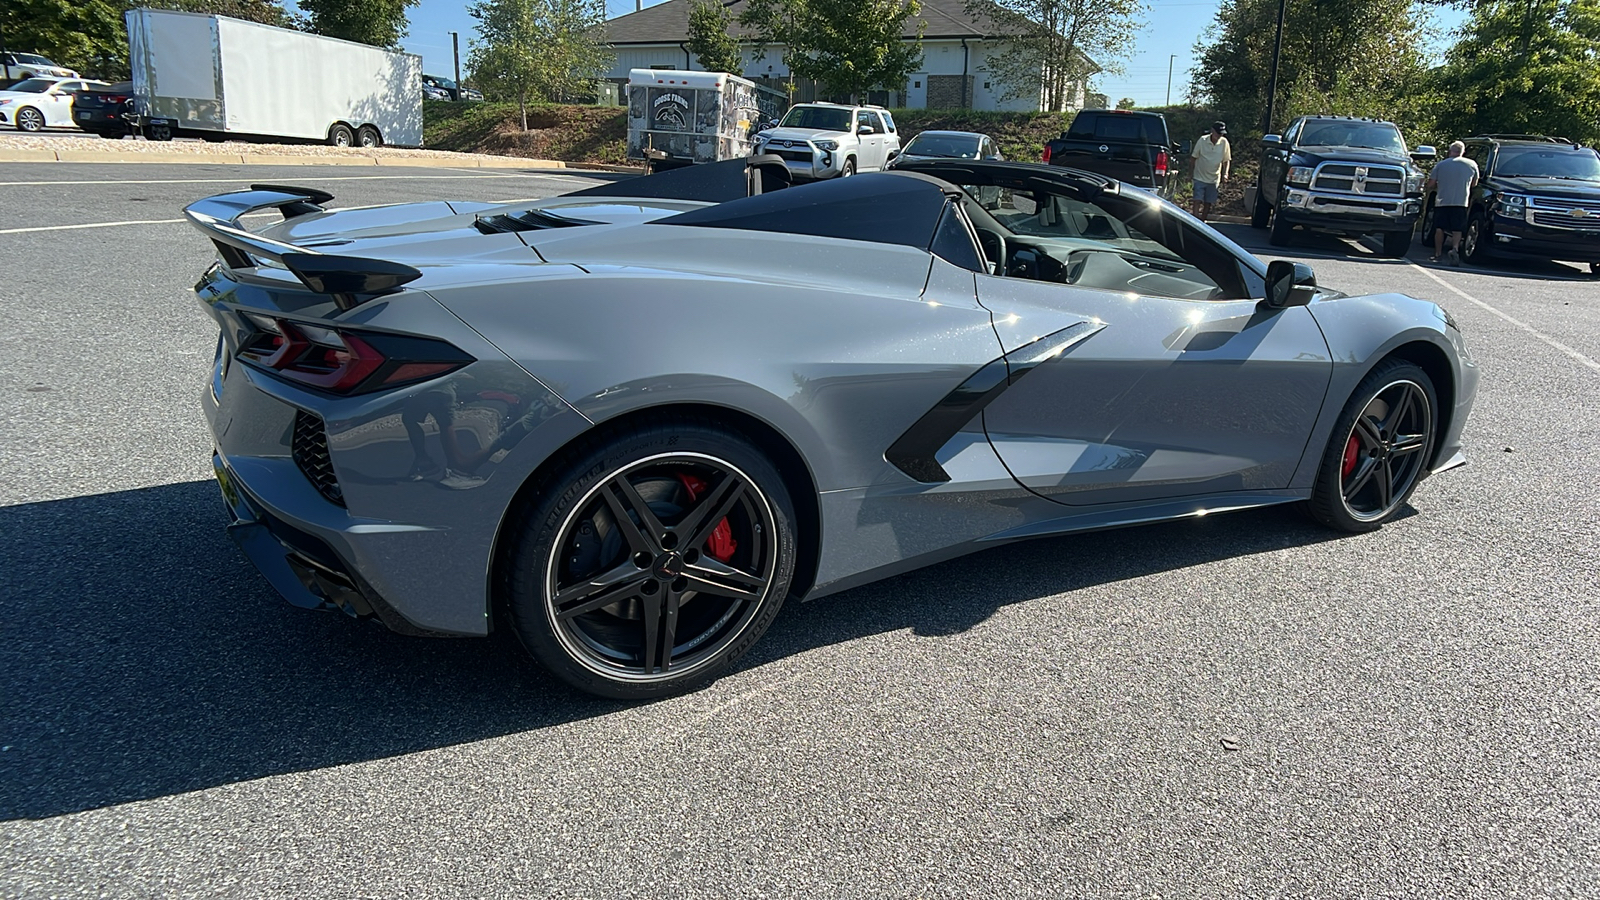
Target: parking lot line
{"points": [[118, 224], [1514, 321]]}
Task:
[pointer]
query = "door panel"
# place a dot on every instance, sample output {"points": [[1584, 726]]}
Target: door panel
{"points": [[1171, 398]]}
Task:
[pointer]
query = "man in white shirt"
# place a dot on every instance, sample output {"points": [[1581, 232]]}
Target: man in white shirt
{"points": [[1454, 177], [1213, 162]]}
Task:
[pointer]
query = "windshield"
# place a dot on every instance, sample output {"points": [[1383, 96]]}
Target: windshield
{"points": [[1530, 162], [28, 59], [436, 80], [1370, 135], [819, 117], [32, 86], [949, 146]]}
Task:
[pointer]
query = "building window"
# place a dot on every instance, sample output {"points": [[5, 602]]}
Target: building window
{"points": [[916, 84]]}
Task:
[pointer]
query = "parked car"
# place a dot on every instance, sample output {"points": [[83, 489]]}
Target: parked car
{"points": [[433, 92], [103, 109], [1538, 198], [40, 103], [827, 140], [451, 417], [1341, 175], [949, 145], [1128, 145], [22, 66]]}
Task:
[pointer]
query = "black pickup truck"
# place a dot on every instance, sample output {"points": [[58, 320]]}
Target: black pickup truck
{"points": [[1129, 146], [1341, 175]]}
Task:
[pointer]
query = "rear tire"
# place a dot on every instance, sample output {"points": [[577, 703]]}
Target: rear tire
{"points": [[1379, 449], [651, 560], [158, 132], [30, 120], [340, 136], [1396, 243], [368, 136]]}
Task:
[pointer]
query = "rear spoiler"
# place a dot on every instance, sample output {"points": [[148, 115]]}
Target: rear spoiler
{"points": [[349, 280]]}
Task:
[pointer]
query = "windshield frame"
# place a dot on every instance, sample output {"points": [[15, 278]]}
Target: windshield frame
{"points": [[846, 118], [911, 147], [21, 87], [1508, 154], [1397, 147]]}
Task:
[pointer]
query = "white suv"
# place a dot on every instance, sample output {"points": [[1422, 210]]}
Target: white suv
{"points": [[824, 140]]}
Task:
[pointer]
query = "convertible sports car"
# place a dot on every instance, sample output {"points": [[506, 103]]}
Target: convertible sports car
{"points": [[628, 423]]}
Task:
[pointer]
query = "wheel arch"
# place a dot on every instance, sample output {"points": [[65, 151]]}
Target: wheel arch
{"points": [[1428, 357], [797, 476]]}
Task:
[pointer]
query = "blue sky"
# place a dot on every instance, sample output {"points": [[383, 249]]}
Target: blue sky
{"points": [[1168, 36]]}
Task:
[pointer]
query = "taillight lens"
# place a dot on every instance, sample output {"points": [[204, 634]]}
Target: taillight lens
{"points": [[1045, 157], [342, 361], [1161, 163]]}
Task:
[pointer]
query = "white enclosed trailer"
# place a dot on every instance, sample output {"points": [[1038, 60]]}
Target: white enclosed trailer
{"points": [[215, 77]]}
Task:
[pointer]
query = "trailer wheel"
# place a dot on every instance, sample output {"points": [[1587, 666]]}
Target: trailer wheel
{"points": [[158, 132], [340, 136], [368, 136]]}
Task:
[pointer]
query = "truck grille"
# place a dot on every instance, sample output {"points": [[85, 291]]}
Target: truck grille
{"points": [[310, 450], [793, 155], [1349, 178], [1551, 213]]}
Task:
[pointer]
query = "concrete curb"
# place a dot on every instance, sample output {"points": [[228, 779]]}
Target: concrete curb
{"points": [[262, 159]]}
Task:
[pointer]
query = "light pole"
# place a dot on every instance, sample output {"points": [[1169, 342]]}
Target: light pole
{"points": [[455, 51], [1272, 84], [1170, 60]]}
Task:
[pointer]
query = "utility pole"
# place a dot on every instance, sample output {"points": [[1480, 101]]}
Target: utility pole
{"points": [[455, 51], [1277, 52], [1170, 60]]}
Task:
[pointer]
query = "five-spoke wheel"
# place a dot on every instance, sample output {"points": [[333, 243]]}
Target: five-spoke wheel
{"points": [[1379, 450], [661, 561]]}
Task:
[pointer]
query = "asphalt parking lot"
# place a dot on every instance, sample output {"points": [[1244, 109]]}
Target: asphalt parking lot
{"points": [[1237, 706]]}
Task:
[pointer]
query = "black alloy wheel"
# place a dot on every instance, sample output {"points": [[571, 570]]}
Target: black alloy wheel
{"points": [[1379, 449], [1279, 234], [1396, 243], [30, 119], [1472, 242], [1425, 238], [657, 560]]}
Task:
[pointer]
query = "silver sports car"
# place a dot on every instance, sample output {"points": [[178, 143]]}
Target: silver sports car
{"points": [[629, 423]]}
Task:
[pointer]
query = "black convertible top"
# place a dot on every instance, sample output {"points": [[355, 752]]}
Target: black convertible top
{"points": [[883, 208], [710, 182]]}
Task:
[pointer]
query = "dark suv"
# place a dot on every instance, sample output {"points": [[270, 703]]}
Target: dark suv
{"points": [[1342, 175], [1538, 198]]}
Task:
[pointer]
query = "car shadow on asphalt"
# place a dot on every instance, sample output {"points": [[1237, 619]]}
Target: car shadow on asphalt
{"points": [[1329, 246], [144, 657]]}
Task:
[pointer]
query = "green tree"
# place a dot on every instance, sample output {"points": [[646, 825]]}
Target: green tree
{"points": [[1053, 46], [91, 36], [381, 23], [1126, 103], [849, 46], [710, 40], [1524, 66], [537, 50], [1350, 57]]}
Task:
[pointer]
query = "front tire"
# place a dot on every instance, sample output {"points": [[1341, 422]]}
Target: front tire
{"points": [[651, 560], [1379, 449], [1426, 237], [30, 120], [849, 168], [1395, 244], [1281, 231], [1472, 246], [1261, 214]]}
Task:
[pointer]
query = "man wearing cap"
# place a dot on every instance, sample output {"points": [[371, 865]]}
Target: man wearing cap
{"points": [[1213, 160]]}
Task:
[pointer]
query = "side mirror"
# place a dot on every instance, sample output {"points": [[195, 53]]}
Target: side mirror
{"points": [[866, 129], [1272, 141], [1289, 284], [893, 154], [1186, 147], [1424, 152]]}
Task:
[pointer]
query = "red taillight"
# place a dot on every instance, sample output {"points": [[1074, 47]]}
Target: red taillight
{"points": [[1161, 163], [1046, 155], [343, 362]]}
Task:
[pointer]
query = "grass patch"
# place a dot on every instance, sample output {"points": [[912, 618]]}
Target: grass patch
{"points": [[577, 134]]}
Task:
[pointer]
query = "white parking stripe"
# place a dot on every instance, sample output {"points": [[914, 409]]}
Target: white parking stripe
{"points": [[246, 180], [114, 224], [1517, 322]]}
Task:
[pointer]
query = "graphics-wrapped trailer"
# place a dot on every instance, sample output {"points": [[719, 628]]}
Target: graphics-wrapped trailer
{"points": [[214, 77], [678, 118]]}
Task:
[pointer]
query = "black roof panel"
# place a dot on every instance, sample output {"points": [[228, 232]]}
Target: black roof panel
{"points": [[883, 208]]}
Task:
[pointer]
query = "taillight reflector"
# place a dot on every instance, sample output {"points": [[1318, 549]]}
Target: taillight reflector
{"points": [[1046, 156], [1161, 162]]}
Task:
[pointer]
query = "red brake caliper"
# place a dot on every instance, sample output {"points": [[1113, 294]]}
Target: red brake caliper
{"points": [[721, 543], [1352, 453]]}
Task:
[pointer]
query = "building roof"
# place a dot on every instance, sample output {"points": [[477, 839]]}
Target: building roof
{"points": [[668, 23]]}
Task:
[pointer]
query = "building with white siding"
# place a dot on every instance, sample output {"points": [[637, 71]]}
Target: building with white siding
{"points": [[955, 49]]}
